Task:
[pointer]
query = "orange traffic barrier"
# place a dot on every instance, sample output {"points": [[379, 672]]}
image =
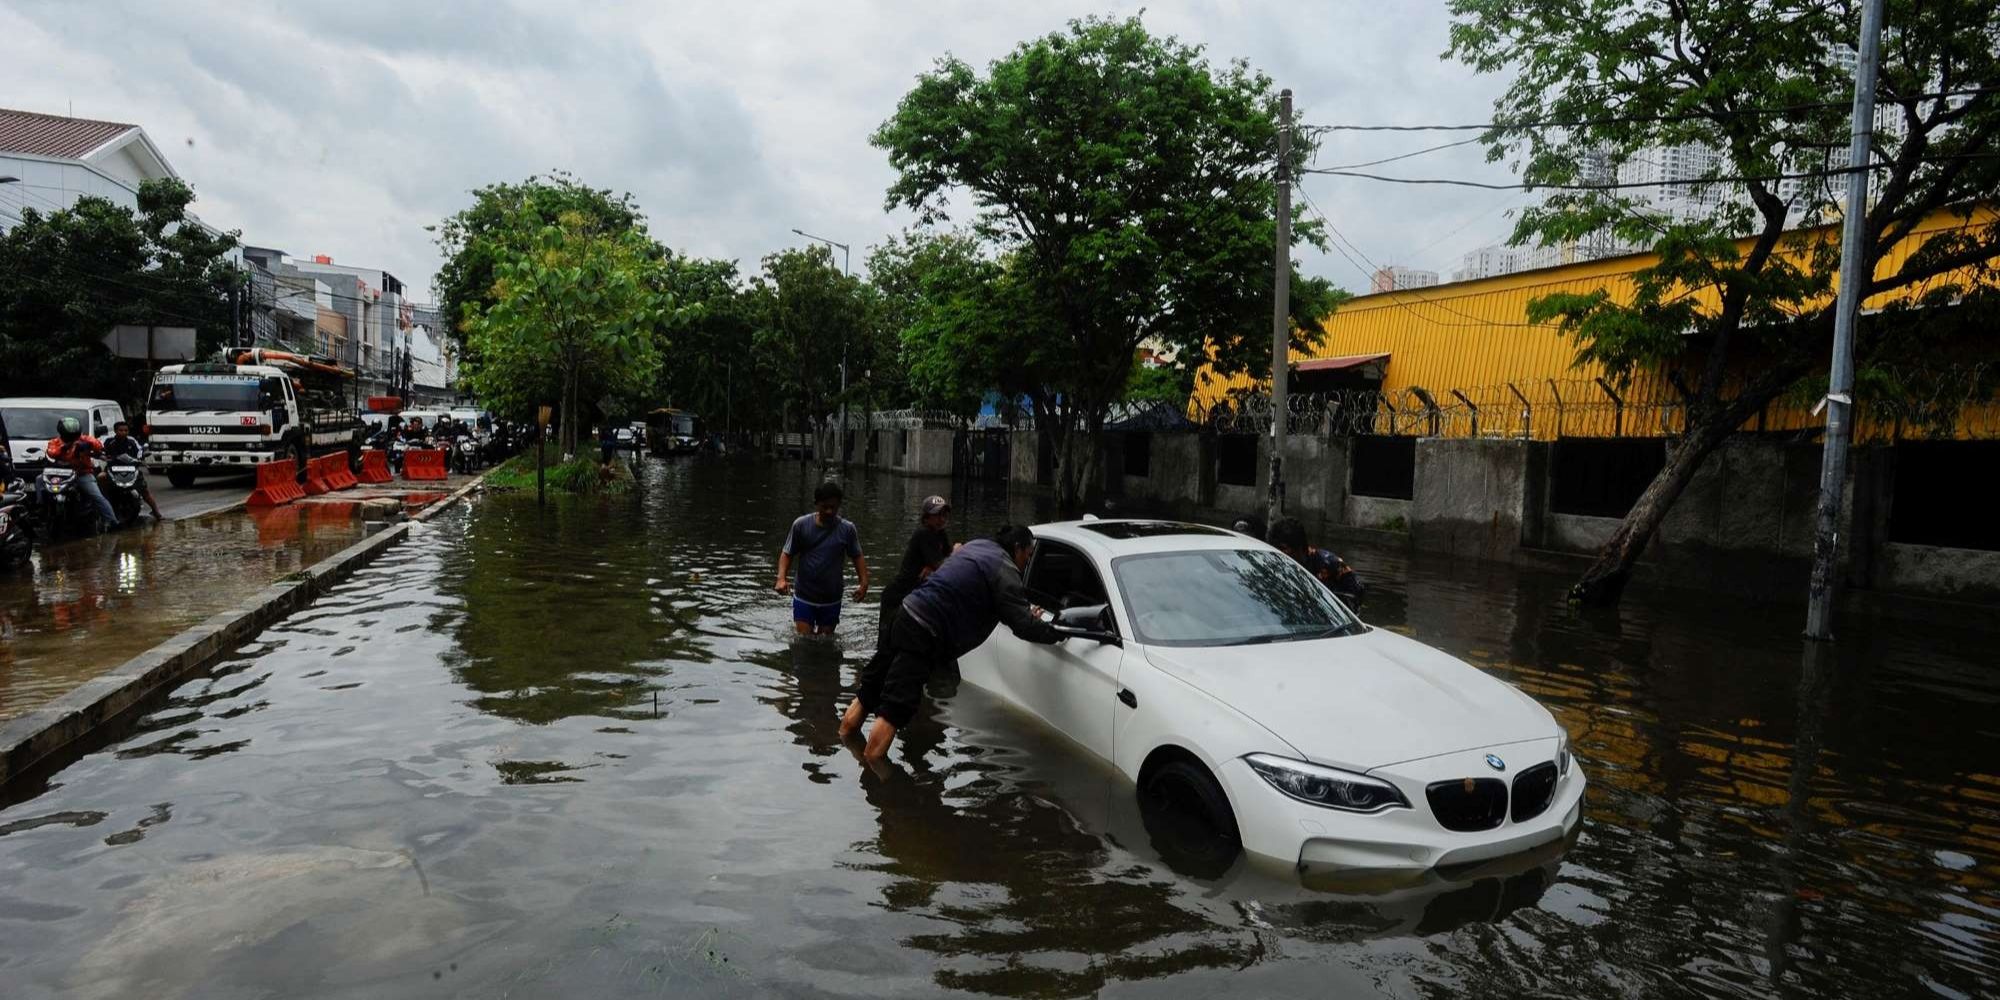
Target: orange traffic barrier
{"points": [[339, 472], [277, 483], [427, 463], [375, 467], [316, 483]]}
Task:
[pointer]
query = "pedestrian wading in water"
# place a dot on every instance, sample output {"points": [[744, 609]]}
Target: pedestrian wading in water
{"points": [[947, 616], [816, 545]]}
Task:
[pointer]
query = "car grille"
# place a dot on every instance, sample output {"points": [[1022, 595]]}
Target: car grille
{"points": [[1468, 804], [1533, 789]]}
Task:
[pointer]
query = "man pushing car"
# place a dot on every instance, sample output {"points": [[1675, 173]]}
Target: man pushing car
{"points": [[949, 615]]}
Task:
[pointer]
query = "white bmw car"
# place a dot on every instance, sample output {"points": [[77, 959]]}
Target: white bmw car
{"points": [[1219, 675]]}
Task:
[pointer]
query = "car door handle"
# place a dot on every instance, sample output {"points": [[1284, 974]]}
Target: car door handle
{"points": [[1125, 695]]}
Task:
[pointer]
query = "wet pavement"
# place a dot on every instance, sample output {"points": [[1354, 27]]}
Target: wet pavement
{"points": [[574, 753], [83, 606]]}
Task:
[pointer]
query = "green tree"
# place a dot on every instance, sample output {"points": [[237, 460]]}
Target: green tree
{"points": [[940, 302], [1759, 85], [67, 277], [1129, 184], [477, 239], [713, 370], [577, 314], [805, 311]]}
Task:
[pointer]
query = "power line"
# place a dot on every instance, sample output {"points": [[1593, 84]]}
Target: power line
{"points": [[1397, 299], [1624, 185], [1491, 126], [1404, 156]]}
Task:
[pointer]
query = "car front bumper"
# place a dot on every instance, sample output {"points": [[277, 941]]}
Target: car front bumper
{"points": [[1316, 838]]}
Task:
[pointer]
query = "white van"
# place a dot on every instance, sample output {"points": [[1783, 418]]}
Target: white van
{"points": [[31, 421]]}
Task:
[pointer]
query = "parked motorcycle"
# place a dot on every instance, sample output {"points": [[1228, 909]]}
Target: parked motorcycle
{"points": [[125, 478], [59, 507], [15, 540]]}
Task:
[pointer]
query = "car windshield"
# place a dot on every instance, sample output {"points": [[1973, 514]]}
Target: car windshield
{"points": [[1226, 597], [34, 423], [207, 392]]}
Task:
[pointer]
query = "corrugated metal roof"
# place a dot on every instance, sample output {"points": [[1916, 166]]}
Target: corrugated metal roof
{"points": [[36, 134]]}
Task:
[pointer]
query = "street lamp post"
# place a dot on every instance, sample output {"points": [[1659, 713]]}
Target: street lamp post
{"points": [[841, 442]]}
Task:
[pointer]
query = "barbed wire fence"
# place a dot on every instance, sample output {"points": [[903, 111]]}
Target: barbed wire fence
{"points": [[1934, 403]]}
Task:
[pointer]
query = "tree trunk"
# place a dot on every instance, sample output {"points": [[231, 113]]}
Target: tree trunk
{"points": [[1708, 427], [1604, 582]]}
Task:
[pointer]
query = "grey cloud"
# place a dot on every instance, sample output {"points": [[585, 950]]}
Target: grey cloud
{"points": [[347, 128]]}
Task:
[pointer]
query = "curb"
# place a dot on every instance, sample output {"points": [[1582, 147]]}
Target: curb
{"points": [[33, 741]]}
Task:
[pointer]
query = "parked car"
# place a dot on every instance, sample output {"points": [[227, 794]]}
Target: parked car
{"points": [[1223, 679], [31, 422]]}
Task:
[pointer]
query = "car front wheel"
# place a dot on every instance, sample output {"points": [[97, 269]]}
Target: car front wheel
{"points": [[1189, 819]]}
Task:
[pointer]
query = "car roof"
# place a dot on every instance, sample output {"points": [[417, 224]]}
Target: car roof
{"points": [[1125, 536], [54, 402]]}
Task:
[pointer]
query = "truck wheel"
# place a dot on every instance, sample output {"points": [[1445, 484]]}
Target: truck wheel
{"points": [[181, 478]]}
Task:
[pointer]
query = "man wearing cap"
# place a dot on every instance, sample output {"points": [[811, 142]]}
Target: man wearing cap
{"points": [[946, 617], [927, 550]]}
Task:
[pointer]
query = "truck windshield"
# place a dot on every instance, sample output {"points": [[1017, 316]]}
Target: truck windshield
{"points": [[213, 392], [34, 423]]}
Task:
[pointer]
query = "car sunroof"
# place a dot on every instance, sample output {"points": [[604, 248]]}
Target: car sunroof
{"points": [[1149, 529]]}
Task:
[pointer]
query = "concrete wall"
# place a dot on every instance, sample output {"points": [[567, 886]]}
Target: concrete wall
{"points": [[1023, 457], [1474, 495], [1176, 473], [1379, 513], [1955, 574]]}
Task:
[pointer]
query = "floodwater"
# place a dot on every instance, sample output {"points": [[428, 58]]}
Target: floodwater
{"points": [[574, 753], [83, 606]]}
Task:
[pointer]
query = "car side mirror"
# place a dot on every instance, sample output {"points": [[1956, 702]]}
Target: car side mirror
{"points": [[1090, 621], [1087, 616]]}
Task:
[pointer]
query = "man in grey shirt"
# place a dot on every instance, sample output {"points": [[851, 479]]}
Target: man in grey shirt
{"points": [[818, 543]]}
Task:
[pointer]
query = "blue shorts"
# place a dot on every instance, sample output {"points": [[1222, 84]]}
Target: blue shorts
{"points": [[816, 615]]}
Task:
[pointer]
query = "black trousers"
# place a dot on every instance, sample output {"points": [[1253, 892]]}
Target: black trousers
{"points": [[892, 684]]}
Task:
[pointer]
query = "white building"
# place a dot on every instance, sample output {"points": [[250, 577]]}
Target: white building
{"points": [[1395, 276], [47, 162]]}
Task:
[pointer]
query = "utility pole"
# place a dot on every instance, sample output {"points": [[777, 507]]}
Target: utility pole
{"points": [[1281, 313], [1839, 401]]}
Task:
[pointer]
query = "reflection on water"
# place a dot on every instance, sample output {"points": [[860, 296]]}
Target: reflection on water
{"points": [[575, 752], [86, 605]]}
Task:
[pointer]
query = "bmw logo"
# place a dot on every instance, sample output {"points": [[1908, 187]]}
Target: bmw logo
{"points": [[1495, 763]]}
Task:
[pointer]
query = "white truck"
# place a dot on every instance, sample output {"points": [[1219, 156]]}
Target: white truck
{"points": [[229, 415]]}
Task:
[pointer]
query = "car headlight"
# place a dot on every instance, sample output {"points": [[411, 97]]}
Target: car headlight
{"points": [[1562, 753], [1326, 786]]}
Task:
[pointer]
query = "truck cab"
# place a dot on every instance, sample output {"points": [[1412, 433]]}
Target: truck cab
{"points": [[261, 406]]}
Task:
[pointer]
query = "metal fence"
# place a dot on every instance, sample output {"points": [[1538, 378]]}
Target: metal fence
{"points": [[1951, 402]]}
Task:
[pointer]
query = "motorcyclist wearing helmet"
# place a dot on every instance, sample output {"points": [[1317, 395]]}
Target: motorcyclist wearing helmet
{"points": [[77, 450]]}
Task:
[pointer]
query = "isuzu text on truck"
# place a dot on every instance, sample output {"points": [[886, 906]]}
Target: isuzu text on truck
{"points": [[229, 415]]}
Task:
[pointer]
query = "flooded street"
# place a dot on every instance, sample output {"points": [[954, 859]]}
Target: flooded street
{"points": [[575, 752], [86, 605]]}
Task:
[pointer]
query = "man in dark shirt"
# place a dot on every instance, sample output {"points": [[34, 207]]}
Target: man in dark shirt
{"points": [[123, 444], [817, 543], [1288, 535], [927, 550], [947, 616]]}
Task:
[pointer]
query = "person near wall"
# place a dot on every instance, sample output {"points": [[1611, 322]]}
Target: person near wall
{"points": [[1288, 535]]}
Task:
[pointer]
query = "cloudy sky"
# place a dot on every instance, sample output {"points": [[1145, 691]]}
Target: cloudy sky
{"points": [[345, 128]]}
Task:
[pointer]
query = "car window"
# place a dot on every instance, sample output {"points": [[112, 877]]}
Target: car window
{"points": [[1225, 597], [1061, 576], [31, 423]]}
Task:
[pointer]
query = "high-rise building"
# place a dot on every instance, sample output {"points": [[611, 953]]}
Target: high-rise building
{"points": [[1395, 276]]}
